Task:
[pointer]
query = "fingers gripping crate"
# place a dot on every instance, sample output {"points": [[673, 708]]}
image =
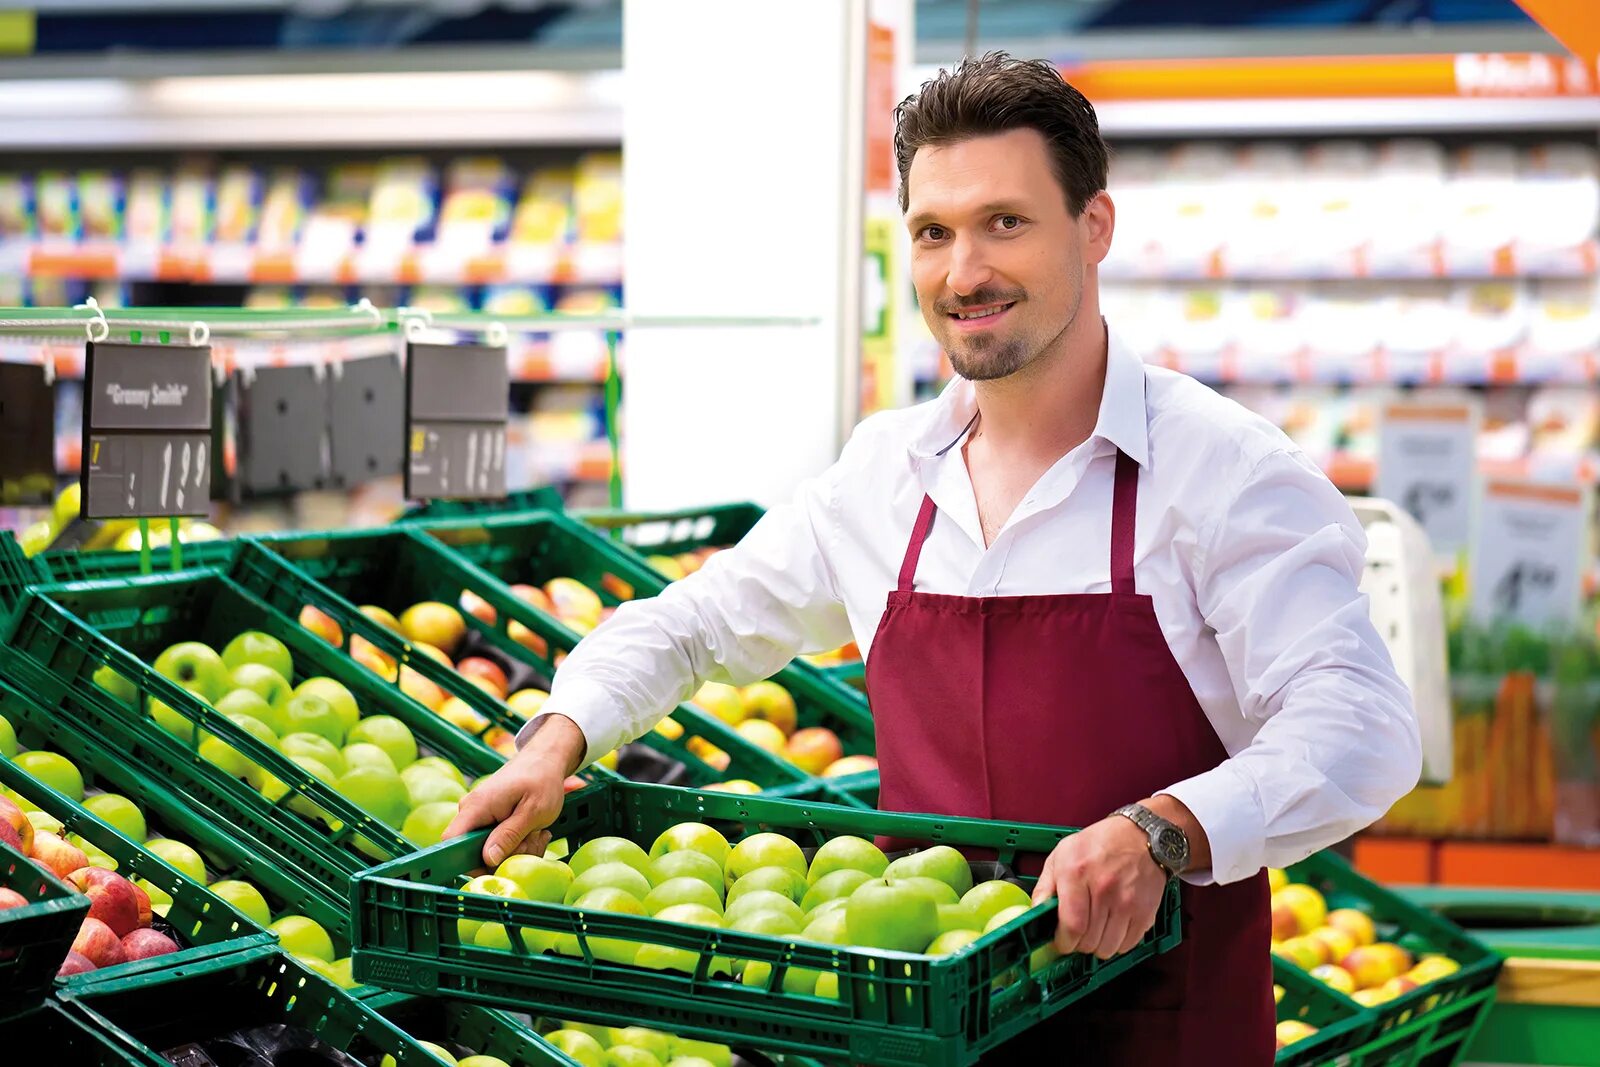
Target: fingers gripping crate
{"points": [[229, 847], [892, 1008], [396, 568], [36, 936], [1341, 1024], [1434, 1023], [254, 1005]]}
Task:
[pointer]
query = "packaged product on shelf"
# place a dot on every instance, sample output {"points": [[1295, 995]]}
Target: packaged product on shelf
{"points": [[1483, 209], [268, 298], [1266, 326], [1491, 320], [1135, 182], [193, 205], [56, 200], [1272, 205], [1341, 323], [1416, 324], [284, 207], [404, 199], [440, 299], [333, 226], [239, 197], [1140, 313], [1199, 336], [147, 207], [322, 298], [100, 205], [1563, 328], [1558, 204], [514, 300], [1202, 205], [17, 218], [1406, 207], [544, 211], [1564, 427], [476, 210], [597, 197], [1337, 224]]}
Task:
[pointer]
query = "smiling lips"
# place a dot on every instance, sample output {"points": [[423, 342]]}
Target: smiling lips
{"points": [[980, 317]]}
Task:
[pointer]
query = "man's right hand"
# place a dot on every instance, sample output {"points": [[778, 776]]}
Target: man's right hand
{"points": [[521, 799]]}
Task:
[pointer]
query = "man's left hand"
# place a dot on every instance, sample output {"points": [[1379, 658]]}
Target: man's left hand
{"points": [[1109, 886]]}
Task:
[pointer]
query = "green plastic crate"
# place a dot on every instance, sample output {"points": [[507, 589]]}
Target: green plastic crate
{"points": [[203, 923], [395, 568], [17, 571], [894, 1008], [52, 1026], [469, 1029], [1537, 923], [1342, 1024], [34, 937], [229, 848], [1433, 1024], [62, 635], [154, 1009], [74, 565]]}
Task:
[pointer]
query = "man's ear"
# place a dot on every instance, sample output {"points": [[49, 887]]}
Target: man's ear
{"points": [[1099, 219]]}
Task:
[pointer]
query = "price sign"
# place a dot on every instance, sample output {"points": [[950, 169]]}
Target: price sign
{"points": [[27, 434], [1427, 458], [1527, 552], [146, 431], [457, 397]]}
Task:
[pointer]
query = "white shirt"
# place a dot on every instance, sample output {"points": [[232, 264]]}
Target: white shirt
{"points": [[1251, 556]]}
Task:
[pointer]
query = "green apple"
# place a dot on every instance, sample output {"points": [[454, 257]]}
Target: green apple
{"points": [[783, 880], [483, 1061], [692, 837], [667, 958], [378, 792], [1040, 957], [343, 701], [764, 850], [321, 967], [605, 898], [847, 854], [344, 973], [160, 899], [687, 865], [495, 936], [54, 770], [828, 986], [656, 1043], [579, 1046], [443, 1054], [432, 789], [194, 666], [173, 721], [833, 886], [1005, 915], [247, 702], [27, 805], [682, 891], [628, 1056], [317, 747], [618, 875], [115, 684], [45, 823], [8, 738], [488, 885], [951, 941], [986, 898], [424, 827], [693, 914], [541, 878], [601, 1034], [311, 714], [714, 1054], [941, 861], [233, 762], [301, 936], [365, 754], [253, 646], [98, 857], [267, 684], [121, 813], [178, 856], [959, 917], [436, 764], [897, 917], [609, 850], [939, 891], [830, 929], [771, 923], [246, 900], [274, 789], [764, 900], [691, 1061], [389, 734]]}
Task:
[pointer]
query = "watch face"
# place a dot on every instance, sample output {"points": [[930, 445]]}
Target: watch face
{"points": [[1174, 848]]}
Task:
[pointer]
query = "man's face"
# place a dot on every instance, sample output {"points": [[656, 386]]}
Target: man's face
{"points": [[996, 256]]}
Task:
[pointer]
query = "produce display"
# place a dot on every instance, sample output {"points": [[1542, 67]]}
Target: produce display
{"points": [[631, 1046]]}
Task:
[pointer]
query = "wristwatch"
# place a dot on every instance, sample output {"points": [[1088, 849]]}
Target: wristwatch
{"points": [[1169, 846]]}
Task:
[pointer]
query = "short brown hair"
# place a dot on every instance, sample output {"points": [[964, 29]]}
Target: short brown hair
{"points": [[997, 94]]}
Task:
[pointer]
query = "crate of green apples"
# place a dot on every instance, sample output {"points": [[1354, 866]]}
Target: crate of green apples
{"points": [[704, 912], [351, 769], [257, 1005], [257, 882]]}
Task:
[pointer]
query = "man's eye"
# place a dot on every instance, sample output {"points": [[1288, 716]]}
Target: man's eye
{"points": [[933, 233], [1008, 222]]}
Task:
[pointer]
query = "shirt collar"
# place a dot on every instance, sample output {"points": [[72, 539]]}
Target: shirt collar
{"points": [[1122, 420]]}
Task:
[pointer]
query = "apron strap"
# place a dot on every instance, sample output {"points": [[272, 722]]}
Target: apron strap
{"points": [[1124, 506], [919, 534]]}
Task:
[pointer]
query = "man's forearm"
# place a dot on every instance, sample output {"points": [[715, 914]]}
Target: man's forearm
{"points": [[557, 740]]}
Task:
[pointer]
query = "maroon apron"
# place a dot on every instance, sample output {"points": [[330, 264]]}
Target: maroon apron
{"points": [[1059, 709]]}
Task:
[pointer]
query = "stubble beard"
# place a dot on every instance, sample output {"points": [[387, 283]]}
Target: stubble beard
{"points": [[985, 359]]}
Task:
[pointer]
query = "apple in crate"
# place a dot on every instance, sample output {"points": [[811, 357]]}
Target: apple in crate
{"points": [[434, 623], [99, 944], [142, 944], [253, 646], [485, 672], [112, 898], [321, 623], [75, 963], [59, 857], [814, 749], [16, 829], [770, 701]]}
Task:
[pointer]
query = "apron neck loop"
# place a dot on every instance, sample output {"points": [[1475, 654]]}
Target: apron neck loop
{"points": [[919, 534], [1124, 506]]}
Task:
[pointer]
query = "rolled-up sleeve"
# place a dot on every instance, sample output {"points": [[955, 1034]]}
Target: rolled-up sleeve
{"points": [[1278, 581], [741, 617]]}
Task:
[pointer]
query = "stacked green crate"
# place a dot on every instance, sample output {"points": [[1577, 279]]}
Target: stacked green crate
{"points": [[36, 934]]}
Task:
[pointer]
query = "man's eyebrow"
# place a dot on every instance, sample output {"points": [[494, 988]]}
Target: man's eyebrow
{"points": [[993, 207]]}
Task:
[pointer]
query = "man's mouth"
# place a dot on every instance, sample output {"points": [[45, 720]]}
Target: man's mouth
{"points": [[981, 315]]}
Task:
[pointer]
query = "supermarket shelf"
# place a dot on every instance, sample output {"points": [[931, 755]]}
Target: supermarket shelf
{"points": [[1233, 118], [1508, 865], [1511, 366], [580, 264], [1437, 263]]}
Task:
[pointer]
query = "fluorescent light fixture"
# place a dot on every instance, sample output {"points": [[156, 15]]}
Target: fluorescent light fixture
{"points": [[42, 97]]}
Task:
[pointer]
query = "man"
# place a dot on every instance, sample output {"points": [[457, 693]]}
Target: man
{"points": [[1090, 593]]}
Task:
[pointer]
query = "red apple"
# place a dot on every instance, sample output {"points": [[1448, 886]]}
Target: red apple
{"points": [[477, 607], [143, 898], [813, 749], [422, 690], [850, 765], [476, 668], [142, 944], [112, 898], [372, 658], [75, 963], [321, 623], [16, 820], [10, 898], [1285, 924], [99, 944], [433, 623], [535, 596], [61, 858]]}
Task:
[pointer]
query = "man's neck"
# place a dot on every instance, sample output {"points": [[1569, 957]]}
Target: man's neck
{"points": [[1051, 406]]}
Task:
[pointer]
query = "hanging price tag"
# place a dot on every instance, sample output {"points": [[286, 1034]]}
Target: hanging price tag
{"points": [[146, 431], [1427, 456], [1527, 552], [457, 397], [27, 434]]}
